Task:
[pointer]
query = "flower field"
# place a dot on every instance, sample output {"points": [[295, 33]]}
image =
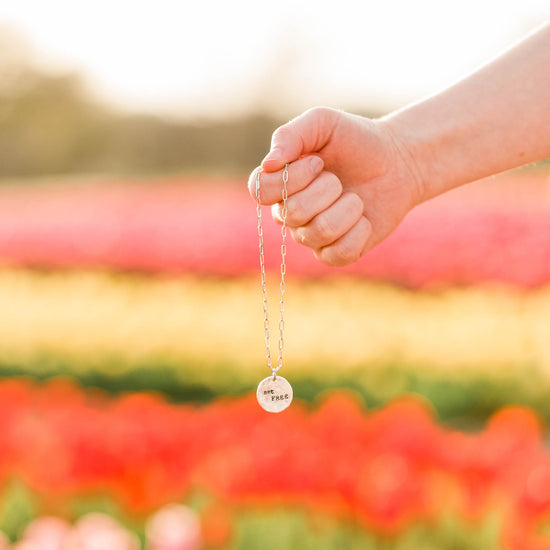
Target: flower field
{"points": [[136, 332], [472, 235], [386, 470], [131, 343]]}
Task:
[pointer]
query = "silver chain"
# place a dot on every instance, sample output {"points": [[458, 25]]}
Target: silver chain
{"points": [[282, 284]]}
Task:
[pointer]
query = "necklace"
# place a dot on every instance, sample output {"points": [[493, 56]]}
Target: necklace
{"points": [[274, 393]]}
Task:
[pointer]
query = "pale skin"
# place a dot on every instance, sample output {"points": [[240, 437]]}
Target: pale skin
{"points": [[353, 179]]}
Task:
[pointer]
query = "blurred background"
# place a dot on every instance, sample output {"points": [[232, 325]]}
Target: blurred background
{"points": [[131, 334]]}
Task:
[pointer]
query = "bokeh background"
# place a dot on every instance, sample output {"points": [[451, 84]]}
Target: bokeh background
{"points": [[131, 334]]}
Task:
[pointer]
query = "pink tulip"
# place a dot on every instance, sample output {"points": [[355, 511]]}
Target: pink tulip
{"points": [[99, 532], [46, 533], [174, 527]]}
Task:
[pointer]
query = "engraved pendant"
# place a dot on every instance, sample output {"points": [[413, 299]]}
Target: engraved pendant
{"points": [[274, 395]]}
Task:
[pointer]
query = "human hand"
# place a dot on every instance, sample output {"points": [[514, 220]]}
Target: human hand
{"points": [[350, 182]]}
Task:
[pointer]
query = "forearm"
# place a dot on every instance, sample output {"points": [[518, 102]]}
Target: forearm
{"points": [[495, 119]]}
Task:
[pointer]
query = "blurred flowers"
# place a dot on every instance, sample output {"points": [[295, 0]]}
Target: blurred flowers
{"points": [[472, 235], [173, 527], [388, 472], [125, 331], [385, 469]]}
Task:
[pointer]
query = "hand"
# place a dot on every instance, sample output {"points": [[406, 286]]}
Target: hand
{"points": [[350, 182]]}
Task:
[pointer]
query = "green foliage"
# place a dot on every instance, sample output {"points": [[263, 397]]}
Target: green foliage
{"points": [[296, 530], [18, 506]]}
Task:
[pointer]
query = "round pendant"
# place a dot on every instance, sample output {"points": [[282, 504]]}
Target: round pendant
{"points": [[274, 395]]}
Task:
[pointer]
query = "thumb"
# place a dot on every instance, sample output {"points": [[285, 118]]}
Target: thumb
{"points": [[307, 133]]}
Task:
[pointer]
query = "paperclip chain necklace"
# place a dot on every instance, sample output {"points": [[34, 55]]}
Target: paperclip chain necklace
{"points": [[274, 393]]}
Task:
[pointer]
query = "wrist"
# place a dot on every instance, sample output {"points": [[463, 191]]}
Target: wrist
{"points": [[440, 150], [408, 159]]}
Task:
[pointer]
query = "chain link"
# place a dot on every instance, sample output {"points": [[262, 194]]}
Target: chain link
{"points": [[282, 284]]}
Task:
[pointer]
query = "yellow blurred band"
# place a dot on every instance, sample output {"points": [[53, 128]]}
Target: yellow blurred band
{"points": [[98, 319]]}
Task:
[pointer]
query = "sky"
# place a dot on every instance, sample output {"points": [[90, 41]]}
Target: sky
{"points": [[224, 58]]}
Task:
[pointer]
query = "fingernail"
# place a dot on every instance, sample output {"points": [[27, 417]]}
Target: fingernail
{"points": [[316, 164], [274, 154]]}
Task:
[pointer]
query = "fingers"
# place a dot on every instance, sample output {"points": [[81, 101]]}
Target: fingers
{"points": [[304, 205], [307, 133], [330, 224], [348, 248], [326, 220], [300, 174], [336, 230]]}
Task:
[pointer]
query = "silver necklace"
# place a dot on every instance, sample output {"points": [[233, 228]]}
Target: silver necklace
{"points": [[274, 393]]}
